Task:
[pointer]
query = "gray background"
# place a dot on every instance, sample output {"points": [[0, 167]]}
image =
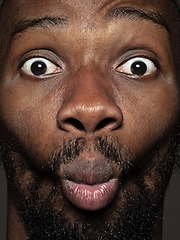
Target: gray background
{"points": [[171, 215]]}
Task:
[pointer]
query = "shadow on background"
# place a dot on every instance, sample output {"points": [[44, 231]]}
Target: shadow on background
{"points": [[3, 201]]}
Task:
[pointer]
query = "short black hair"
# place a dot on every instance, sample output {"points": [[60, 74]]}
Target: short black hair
{"points": [[2, 4], [177, 4]]}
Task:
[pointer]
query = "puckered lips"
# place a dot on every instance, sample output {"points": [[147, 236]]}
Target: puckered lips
{"points": [[89, 185]]}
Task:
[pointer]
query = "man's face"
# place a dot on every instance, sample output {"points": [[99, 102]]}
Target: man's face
{"points": [[89, 113]]}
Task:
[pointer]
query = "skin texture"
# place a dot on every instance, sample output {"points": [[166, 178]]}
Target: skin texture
{"points": [[87, 112]]}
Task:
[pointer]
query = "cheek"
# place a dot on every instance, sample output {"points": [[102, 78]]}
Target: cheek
{"points": [[150, 113], [29, 112], [150, 116]]}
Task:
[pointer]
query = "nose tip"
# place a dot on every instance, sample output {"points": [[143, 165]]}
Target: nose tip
{"points": [[90, 118]]}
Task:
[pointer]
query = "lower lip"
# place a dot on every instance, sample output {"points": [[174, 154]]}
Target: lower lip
{"points": [[90, 197]]}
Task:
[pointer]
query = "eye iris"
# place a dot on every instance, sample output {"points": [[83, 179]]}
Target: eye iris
{"points": [[138, 68], [38, 68]]}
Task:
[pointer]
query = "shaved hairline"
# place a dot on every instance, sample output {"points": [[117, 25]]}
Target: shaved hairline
{"points": [[176, 2]]}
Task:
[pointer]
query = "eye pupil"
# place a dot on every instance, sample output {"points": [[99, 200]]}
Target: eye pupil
{"points": [[138, 68], [38, 68]]}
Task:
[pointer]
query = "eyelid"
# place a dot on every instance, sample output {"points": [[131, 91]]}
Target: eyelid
{"points": [[42, 67], [47, 55], [142, 57], [41, 53], [141, 52]]}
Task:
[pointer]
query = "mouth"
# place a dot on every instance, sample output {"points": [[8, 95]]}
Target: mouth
{"points": [[90, 197], [90, 185]]}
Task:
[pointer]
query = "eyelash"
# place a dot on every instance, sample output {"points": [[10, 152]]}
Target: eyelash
{"points": [[39, 67], [142, 65], [123, 68]]}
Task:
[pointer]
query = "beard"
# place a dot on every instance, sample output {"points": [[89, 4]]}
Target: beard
{"points": [[47, 217]]}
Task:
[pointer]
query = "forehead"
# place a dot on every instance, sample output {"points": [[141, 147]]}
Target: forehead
{"points": [[83, 16], [85, 10], [83, 13]]}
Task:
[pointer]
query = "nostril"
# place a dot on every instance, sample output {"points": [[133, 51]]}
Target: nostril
{"points": [[89, 119], [106, 122], [74, 122]]}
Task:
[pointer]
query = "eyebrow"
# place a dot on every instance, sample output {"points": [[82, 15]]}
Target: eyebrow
{"points": [[138, 14], [45, 22], [118, 12]]}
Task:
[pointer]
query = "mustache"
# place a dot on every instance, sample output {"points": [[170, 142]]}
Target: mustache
{"points": [[108, 146]]}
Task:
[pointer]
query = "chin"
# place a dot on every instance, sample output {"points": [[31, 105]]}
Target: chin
{"points": [[91, 195]]}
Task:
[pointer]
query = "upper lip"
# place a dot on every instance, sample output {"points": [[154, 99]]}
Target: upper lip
{"points": [[88, 171]]}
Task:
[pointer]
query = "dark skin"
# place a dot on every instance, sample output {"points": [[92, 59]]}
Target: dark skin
{"points": [[89, 91]]}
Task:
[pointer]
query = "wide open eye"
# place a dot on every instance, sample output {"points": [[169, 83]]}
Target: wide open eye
{"points": [[137, 66], [39, 67]]}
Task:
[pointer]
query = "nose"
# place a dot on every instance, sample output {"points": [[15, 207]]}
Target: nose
{"points": [[89, 106]]}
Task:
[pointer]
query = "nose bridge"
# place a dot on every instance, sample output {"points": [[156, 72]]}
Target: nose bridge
{"points": [[89, 105], [90, 89]]}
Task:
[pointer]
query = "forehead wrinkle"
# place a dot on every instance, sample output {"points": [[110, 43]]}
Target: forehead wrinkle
{"points": [[135, 14]]}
